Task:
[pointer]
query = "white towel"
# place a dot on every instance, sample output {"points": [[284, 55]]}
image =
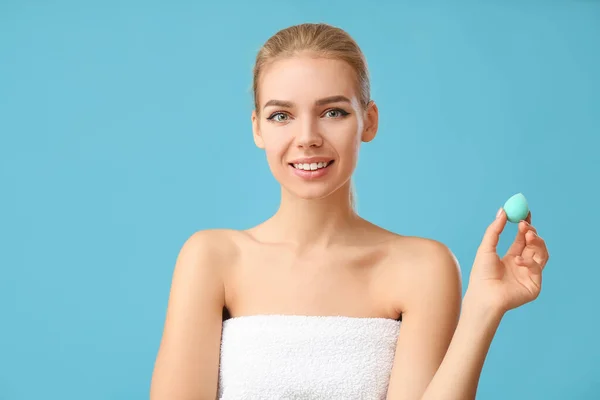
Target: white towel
{"points": [[306, 357]]}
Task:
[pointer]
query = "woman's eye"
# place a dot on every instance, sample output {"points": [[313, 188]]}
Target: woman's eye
{"points": [[336, 113], [333, 113], [278, 117]]}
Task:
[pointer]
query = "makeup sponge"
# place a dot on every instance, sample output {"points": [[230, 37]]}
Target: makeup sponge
{"points": [[516, 208]]}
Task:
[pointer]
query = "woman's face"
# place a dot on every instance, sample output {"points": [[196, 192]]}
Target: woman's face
{"points": [[311, 123]]}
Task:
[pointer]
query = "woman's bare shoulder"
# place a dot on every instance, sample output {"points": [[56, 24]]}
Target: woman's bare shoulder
{"points": [[399, 241], [219, 242], [414, 263], [419, 251]]}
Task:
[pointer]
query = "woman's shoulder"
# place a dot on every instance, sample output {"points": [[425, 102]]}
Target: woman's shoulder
{"points": [[217, 241], [424, 262], [415, 265], [415, 254], [419, 251], [413, 248]]}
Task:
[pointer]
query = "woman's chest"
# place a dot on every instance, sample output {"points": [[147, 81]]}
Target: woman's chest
{"points": [[344, 282]]}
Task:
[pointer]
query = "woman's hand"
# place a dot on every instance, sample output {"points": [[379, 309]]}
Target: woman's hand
{"points": [[513, 280]]}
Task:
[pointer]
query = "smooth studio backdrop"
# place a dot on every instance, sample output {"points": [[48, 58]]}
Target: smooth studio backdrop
{"points": [[125, 127]]}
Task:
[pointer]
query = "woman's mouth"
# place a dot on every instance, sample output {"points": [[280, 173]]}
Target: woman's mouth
{"points": [[312, 166], [311, 170]]}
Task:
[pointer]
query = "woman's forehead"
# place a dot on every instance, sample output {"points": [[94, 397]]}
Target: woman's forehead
{"points": [[307, 80]]}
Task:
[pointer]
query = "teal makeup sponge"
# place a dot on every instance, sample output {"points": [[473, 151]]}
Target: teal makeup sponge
{"points": [[516, 208]]}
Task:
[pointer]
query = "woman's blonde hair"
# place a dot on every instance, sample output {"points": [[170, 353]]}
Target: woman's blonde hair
{"points": [[322, 40]]}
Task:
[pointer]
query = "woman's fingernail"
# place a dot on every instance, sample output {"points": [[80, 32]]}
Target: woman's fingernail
{"points": [[499, 213]]}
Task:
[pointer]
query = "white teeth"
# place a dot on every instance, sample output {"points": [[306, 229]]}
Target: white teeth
{"points": [[312, 166]]}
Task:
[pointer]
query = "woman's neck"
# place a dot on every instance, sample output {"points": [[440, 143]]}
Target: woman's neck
{"points": [[314, 223]]}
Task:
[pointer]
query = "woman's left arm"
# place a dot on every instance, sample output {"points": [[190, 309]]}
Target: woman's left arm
{"points": [[429, 366]]}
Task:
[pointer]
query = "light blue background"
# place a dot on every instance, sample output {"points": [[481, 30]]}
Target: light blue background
{"points": [[125, 127]]}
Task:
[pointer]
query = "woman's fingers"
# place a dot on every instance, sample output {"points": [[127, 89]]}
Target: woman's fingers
{"points": [[520, 242], [535, 270], [535, 249]]}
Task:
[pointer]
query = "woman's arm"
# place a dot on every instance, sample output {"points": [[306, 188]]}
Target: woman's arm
{"points": [[187, 363], [429, 296], [459, 373], [438, 360]]}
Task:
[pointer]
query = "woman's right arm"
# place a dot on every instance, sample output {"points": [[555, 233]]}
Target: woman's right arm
{"points": [[187, 363]]}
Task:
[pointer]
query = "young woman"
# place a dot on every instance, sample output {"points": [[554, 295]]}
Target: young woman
{"points": [[316, 302]]}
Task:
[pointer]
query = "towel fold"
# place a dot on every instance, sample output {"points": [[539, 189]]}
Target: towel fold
{"points": [[306, 357]]}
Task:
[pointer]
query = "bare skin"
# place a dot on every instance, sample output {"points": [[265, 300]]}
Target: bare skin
{"points": [[316, 256], [359, 278]]}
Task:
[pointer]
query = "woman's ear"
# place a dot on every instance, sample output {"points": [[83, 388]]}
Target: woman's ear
{"points": [[371, 122], [258, 140]]}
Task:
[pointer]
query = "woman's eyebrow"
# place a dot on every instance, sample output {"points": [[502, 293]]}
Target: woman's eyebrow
{"points": [[320, 102]]}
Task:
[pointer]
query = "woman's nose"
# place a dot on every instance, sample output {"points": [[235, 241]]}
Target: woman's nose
{"points": [[309, 135]]}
